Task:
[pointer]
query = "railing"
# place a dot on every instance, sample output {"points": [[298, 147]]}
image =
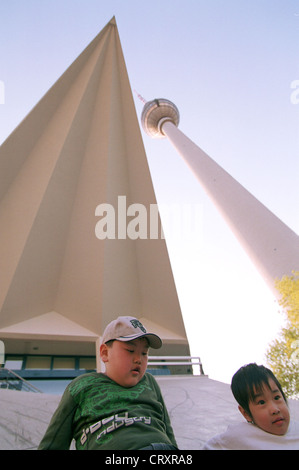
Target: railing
{"points": [[12, 380], [176, 361]]}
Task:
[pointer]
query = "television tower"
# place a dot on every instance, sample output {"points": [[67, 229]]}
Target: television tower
{"points": [[272, 246]]}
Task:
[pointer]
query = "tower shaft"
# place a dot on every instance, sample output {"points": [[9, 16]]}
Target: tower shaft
{"points": [[272, 246]]}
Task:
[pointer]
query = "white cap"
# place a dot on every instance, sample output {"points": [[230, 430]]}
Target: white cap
{"points": [[128, 329]]}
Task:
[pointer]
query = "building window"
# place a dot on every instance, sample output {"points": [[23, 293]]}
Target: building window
{"points": [[87, 363], [38, 362], [64, 363], [14, 363]]}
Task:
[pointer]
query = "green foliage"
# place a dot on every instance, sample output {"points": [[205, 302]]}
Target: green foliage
{"points": [[283, 353], [288, 287]]}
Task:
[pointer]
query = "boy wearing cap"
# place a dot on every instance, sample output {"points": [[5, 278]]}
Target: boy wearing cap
{"points": [[121, 409]]}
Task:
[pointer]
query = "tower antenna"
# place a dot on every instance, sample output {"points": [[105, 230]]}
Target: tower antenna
{"points": [[140, 97]]}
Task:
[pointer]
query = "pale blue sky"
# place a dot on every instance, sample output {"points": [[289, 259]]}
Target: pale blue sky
{"points": [[228, 65]]}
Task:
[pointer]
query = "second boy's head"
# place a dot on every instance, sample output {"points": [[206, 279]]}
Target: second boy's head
{"points": [[261, 399], [124, 350]]}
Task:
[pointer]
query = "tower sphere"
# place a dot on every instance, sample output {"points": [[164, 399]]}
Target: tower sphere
{"points": [[155, 113]]}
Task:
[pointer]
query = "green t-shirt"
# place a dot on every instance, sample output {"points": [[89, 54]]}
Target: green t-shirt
{"points": [[100, 414]]}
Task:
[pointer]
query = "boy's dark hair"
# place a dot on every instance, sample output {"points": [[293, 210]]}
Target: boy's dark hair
{"points": [[250, 380]]}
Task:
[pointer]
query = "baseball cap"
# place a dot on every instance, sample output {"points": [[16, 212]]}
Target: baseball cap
{"points": [[128, 329]]}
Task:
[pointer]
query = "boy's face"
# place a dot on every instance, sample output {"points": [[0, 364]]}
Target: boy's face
{"points": [[125, 362], [269, 410]]}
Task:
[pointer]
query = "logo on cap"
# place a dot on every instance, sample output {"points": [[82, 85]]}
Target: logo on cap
{"points": [[137, 324]]}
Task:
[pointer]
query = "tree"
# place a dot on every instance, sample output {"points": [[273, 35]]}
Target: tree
{"points": [[283, 353]]}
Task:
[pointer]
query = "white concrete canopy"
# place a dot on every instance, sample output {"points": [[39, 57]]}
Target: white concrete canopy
{"points": [[78, 148]]}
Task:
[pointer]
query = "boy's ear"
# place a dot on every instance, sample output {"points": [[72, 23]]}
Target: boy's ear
{"points": [[245, 414], [104, 352]]}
